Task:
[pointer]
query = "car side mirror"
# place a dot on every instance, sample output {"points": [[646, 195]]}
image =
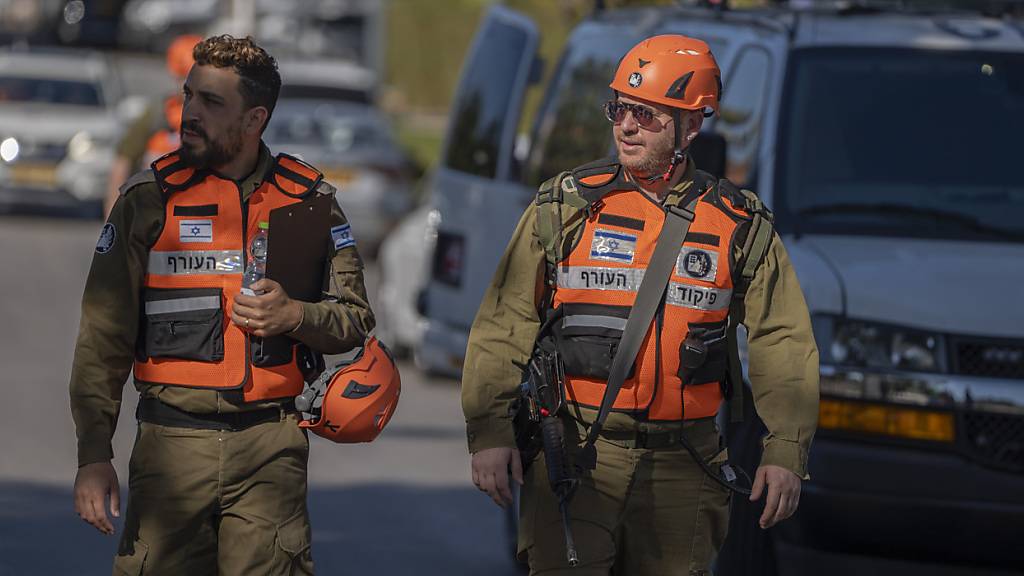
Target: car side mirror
{"points": [[708, 152]]}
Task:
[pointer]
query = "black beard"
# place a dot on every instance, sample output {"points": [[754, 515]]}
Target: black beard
{"points": [[214, 154]]}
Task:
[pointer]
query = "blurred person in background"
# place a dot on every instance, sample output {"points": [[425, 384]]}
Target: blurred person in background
{"points": [[218, 471], [652, 481], [156, 131]]}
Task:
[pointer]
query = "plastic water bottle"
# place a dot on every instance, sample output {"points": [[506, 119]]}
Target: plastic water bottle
{"points": [[256, 269]]}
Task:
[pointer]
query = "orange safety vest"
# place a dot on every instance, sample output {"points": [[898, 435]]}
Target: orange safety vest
{"points": [[167, 139], [194, 271], [597, 283]]}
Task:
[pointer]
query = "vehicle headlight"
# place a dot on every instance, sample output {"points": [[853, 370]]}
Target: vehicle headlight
{"points": [[81, 146], [9, 149], [864, 344]]}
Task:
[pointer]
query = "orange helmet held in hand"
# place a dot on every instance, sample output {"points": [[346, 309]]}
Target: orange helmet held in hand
{"points": [[179, 54], [673, 70], [353, 401]]}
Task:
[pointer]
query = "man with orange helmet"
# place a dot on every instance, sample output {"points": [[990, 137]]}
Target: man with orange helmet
{"points": [[652, 482], [218, 470], [155, 132]]}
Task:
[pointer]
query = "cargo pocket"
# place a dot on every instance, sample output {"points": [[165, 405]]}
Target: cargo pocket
{"points": [[703, 355], [588, 336], [293, 556], [132, 559], [186, 323]]}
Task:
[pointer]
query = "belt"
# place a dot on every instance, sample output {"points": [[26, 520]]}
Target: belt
{"points": [[153, 411], [644, 439]]}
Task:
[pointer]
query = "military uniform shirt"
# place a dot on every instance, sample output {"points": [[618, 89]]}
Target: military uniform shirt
{"points": [[782, 355], [105, 350]]}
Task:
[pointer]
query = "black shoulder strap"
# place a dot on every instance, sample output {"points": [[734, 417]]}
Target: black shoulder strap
{"points": [[648, 298], [758, 239]]}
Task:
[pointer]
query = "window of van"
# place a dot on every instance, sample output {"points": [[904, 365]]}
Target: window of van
{"points": [[902, 142], [743, 96], [479, 113], [571, 129]]}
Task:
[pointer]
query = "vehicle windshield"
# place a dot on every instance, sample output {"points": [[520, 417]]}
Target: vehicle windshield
{"points": [[49, 91], [572, 128], [902, 143], [338, 128]]}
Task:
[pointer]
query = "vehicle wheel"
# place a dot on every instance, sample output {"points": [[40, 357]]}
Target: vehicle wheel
{"points": [[748, 550]]}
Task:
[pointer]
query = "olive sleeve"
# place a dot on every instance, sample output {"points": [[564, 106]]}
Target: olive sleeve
{"points": [[501, 339], [783, 361], [109, 322], [342, 319]]}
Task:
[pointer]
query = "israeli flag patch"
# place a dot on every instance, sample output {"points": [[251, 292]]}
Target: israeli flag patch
{"points": [[613, 246], [342, 236], [195, 231]]}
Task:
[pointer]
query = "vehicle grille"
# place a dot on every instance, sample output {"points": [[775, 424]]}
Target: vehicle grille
{"points": [[988, 357], [995, 440]]}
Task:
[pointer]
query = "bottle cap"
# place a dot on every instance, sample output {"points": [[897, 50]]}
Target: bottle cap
{"points": [[263, 225]]}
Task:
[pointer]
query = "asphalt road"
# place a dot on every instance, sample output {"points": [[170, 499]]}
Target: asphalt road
{"points": [[402, 505]]}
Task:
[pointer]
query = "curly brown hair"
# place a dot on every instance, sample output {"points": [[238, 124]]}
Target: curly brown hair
{"points": [[259, 81]]}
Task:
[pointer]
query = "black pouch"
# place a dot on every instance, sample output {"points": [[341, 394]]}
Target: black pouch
{"points": [[703, 355], [588, 336], [273, 351], [186, 323]]}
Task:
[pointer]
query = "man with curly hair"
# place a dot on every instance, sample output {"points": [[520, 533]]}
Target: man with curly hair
{"points": [[217, 478]]}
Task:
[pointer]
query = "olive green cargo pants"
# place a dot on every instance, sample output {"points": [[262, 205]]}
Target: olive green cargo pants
{"points": [[640, 512], [208, 502]]}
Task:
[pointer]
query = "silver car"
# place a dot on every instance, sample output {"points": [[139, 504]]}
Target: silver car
{"points": [[352, 145], [58, 122]]}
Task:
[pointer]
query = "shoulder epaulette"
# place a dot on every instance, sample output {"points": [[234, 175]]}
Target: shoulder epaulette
{"points": [[140, 177], [294, 177], [172, 174], [598, 178]]}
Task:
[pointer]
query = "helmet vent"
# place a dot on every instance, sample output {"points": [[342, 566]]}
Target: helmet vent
{"points": [[678, 88], [355, 390]]}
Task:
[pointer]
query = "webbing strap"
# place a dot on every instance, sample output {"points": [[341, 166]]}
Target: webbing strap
{"points": [[648, 298], [737, 389], [551, 221], [754, 249]]}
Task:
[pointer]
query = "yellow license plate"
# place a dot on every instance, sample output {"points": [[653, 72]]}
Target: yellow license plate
{"points": [[34, 174], [339, 176]]}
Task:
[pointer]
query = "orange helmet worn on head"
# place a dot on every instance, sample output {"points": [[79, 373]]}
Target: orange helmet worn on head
{"points": [[179, 54], [353, 401], [672, 70]]}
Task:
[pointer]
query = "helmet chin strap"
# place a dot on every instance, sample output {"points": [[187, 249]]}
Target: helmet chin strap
{"points": [[678, 152]]}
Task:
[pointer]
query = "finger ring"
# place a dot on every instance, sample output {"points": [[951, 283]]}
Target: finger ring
{"points": [[246, 322]]}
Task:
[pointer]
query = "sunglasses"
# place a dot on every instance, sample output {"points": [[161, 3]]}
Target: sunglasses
{"points": [[615, 111]]}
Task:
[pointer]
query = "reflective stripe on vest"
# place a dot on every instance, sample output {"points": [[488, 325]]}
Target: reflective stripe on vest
{"points": [[194, 270], [604, 272]]}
